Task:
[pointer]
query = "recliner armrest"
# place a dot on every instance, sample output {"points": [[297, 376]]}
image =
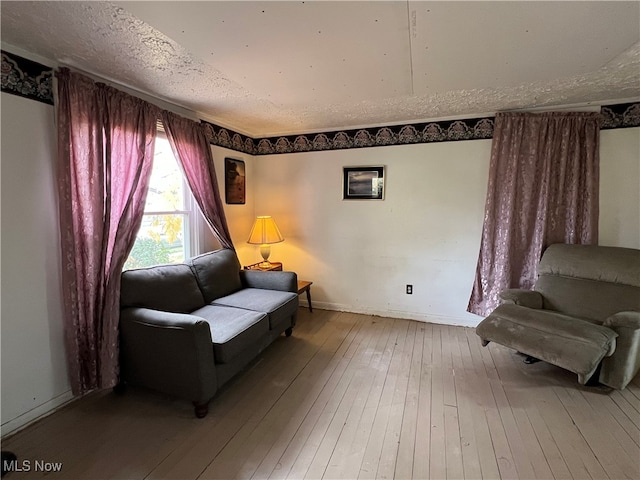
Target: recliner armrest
{"points": [[621, 367], [623, 319], [270, 280], [522, 297]]}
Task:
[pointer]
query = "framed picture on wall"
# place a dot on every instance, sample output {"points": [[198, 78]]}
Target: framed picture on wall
{"points": [[234, 181], [363, 183]]}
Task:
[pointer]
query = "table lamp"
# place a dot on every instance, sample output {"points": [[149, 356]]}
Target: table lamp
{"points": [[264, 233]]}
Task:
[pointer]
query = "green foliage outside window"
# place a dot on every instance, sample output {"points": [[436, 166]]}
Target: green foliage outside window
{"points": [[160, 243], [147, 252]]}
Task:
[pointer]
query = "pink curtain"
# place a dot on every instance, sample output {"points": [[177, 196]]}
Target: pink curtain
{"points": [[543, 189], [105, 152], [190, 146]]}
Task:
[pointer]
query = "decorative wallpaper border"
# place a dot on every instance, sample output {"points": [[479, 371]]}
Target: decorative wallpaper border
{"points": [[30, 79], [449, 131], [26, 78], [622, 115], [225, 137], [454, 130]]}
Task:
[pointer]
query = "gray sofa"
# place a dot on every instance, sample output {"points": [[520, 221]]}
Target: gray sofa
{"points": [[187, 329], [583, 314]]}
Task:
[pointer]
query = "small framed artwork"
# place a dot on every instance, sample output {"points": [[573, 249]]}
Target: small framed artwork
{"points": [[234, 181], [363, 183]]}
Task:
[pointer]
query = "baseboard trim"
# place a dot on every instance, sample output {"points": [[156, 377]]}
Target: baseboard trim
{"points": [[420, 317], [16, 424]]}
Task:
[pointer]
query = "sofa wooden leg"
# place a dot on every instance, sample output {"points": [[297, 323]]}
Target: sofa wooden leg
{"points": [[529, 360], [288, 331], [201, 409]]}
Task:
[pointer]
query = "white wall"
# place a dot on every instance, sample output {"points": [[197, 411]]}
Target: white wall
{"points": [[361, 254], [34, 374], [620, 187]]}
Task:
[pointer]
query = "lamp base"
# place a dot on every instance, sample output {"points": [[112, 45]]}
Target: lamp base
{"points": [[265, 251]]}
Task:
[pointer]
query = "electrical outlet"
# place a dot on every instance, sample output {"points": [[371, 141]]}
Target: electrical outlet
{"points": [[409, 289]]}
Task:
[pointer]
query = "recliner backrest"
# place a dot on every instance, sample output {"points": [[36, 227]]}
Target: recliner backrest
{"points": [[589, 281]]}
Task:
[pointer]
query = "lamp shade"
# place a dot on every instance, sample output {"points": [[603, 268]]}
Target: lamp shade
{"points": [[264, 232]]}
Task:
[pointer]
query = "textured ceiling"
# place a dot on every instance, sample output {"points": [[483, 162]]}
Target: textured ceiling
{"points": [[267, 68]]}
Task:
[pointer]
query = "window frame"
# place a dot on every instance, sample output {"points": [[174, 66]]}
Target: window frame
{"points": [[192, 217]]}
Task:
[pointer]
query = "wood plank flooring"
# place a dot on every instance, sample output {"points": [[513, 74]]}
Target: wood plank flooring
{"points": [[354, 396]]}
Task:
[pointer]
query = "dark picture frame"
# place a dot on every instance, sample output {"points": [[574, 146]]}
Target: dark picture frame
{"points": [[363, 183], [234, 181]]}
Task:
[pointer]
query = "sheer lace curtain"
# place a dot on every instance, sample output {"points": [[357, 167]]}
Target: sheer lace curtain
{"points": [[105, 151], [543, 189], [191, 148]]}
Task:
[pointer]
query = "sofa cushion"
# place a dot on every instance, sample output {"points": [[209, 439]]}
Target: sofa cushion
{"points": [[233, 329], [279, 305], [170, 288], [217, 273], [571, 343]]}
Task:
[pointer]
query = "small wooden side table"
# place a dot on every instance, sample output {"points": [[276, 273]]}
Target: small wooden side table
{"points": [[275, 266], [305, 286]]}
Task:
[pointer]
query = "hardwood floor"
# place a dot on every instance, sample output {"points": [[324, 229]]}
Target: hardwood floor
{"points": [[355, 396]]}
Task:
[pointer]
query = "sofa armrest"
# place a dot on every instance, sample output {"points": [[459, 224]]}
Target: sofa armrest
{"points": [[524, 298], [270, 280], [160, 318], [620, 368], [168, 352]]}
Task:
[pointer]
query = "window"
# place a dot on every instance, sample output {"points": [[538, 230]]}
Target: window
{"points": [[169, 230]]}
